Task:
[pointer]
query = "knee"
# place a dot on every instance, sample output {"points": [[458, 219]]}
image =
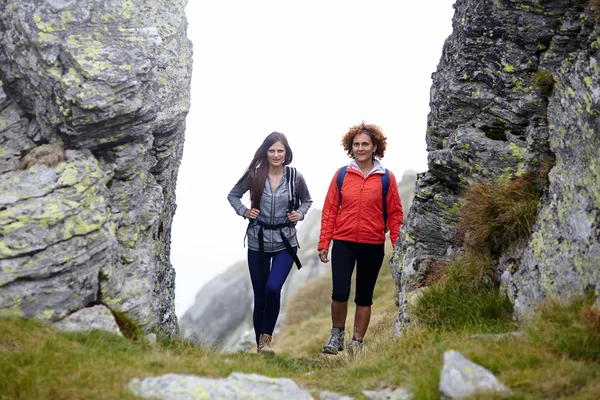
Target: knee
{"points": [[259, 302], [340, 295], [363, 300], [272, 291]]}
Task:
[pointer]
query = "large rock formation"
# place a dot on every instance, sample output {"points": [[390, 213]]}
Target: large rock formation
{"points": [[518, 82], [108, 81]]}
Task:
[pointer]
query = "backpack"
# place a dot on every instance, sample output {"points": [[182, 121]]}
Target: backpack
{"points": [[293, 201], [385, 185]]}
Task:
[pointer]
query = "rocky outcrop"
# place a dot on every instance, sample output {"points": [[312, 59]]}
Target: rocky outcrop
{"points": [[109, 82], [517, 83]]}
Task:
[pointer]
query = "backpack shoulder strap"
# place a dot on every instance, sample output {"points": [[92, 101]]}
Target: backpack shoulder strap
{"points": [[385, 186], [340, 180], [291, 182]]}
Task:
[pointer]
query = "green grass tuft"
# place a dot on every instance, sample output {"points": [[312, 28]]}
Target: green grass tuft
{"points": [[495, 215], [452, 307], [128, 328], [571, 329], [471, 271]]}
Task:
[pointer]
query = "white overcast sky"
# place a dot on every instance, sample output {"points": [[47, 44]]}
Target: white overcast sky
{"points": [[311, 70]]}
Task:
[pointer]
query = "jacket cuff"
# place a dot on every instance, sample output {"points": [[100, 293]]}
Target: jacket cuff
{"points": [[242, 211]]}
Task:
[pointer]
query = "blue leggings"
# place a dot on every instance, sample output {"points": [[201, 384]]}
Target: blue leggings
{"points": [[267, 294]]}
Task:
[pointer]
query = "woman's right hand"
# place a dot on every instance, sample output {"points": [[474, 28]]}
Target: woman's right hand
{"points": [[252, 213], [323, 255]]}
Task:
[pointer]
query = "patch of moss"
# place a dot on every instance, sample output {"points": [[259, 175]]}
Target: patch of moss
{"points": [[544, 81]]}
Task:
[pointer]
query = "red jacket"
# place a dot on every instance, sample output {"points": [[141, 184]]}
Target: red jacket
{"points": [[360, 218]]}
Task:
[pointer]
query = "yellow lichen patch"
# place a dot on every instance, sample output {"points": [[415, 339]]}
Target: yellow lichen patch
{"points": [[509, 68], [516, 151], [67, 17], [44, 37], [127, 10], [71, 78], [69, 176], [5, 251]]}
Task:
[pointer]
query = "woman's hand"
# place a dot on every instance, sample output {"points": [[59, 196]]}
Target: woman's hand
{"points": [[292, 216], [323, 255], [252, 213]]}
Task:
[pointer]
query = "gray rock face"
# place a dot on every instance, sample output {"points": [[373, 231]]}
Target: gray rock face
{"points": [[220, 307], [97, 317], [109, 81], [491, 120], [235, 386], [56, 237], [462, 378]]}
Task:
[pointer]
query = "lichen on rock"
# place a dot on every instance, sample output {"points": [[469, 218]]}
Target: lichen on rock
{"points": [[100, 80], [493, 118]]}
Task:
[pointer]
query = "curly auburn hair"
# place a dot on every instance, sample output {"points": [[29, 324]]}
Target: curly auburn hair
{"points": [[373, 131]]}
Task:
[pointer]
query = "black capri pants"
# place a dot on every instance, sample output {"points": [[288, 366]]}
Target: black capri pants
{"points": [[368, 259]]}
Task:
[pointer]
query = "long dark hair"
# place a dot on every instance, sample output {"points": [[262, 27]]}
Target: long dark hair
{"points": [[258, 170]]}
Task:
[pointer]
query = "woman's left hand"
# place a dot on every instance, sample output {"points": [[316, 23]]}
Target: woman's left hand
{"points": [[292, 216]]}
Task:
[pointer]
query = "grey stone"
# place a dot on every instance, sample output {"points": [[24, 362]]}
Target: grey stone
{"points": [[151, 338], [461, 377], [235, 386], [99, 77], [92, 318], [56, 237], [325, 395], [388, 394]]}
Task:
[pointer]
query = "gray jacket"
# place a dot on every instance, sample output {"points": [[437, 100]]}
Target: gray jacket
{"points": [[273, 211]]}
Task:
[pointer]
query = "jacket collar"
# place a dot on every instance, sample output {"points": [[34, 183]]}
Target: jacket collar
{"points": [[377, 167]]}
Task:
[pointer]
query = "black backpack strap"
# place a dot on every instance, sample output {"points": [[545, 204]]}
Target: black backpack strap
{"points": [[291, 182], [290, 249], [264, 268]]}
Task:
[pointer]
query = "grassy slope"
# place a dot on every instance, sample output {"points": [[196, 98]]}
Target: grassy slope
{"points": [[558, 358]]}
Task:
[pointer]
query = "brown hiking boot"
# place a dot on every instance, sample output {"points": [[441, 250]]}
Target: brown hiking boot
{"points": [[264, 344]]}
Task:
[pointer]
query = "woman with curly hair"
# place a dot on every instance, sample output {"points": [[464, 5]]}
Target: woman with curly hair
{"points": [[361, 202], [279, 198]]}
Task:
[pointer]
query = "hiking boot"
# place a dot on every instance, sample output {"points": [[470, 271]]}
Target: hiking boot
{"points": [[335, 343], [355, 347], [264, 344]]}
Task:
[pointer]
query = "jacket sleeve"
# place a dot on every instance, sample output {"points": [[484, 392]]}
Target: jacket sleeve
{"points": [[235, 197], [329, 214], [303, 196], [394, 210]]}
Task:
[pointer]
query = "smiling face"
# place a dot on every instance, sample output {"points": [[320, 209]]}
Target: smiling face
{"points": [[276, 154], [363, 147]]}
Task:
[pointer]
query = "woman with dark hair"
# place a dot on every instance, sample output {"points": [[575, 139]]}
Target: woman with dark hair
{"points": [[362, 201], [279, 198]]}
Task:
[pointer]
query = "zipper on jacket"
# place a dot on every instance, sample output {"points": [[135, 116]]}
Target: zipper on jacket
{"points": [[362, 185], [272, 213]]}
